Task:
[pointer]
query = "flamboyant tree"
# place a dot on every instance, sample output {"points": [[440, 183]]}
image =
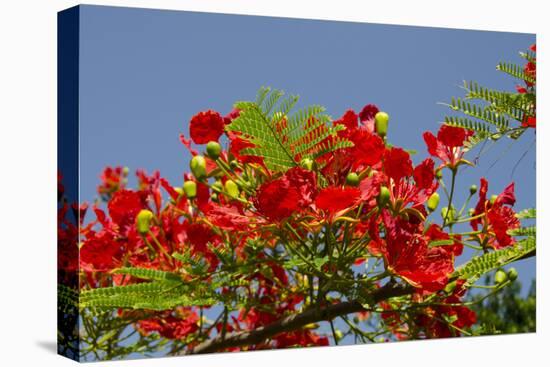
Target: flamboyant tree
{"points": [[293, 229]]}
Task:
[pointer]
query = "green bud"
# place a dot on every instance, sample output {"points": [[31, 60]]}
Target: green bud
{"points": [[452, 213], [493, 198], [433, 201], [338, 334], [214, 197], [213, 149], [352, 179], [439, 174], [500, 276], [512, 274], [179, 190], [473, 189], [217, 186], [125, 171], [383, 196], [307, 163], [234, 164], [143, 221], [381, 120], [198, 166], [231, 188], [190, 189], [471, 212]]}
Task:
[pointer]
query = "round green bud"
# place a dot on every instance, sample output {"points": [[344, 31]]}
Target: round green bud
{"points": [[439, 174], [493, 198], [190, 189], [381, 120], [213, 149], [234, 164], [198, 166], [500, 276], [352, 179], [125, 171], [471, 212], [338, 334], [214, 197], [307, 163], [383, 196], [512, 274], [143, 221], [473, 189], [231, 188], [433, 201]]}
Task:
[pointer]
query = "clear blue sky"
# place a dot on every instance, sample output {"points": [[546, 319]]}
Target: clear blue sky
{"points": [[144, 73]]}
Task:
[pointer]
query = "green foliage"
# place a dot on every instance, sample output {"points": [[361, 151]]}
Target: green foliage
{"points": [[489, 112], [506, 311], [280, 138], [477, 266], [148, 274], [530, 213]]}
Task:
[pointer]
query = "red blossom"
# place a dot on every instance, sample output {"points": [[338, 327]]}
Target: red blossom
{"points": [[124, 206], [206, 126], [279, 199], [447, 146], [334, 199], [349, 120], [397, 163]]}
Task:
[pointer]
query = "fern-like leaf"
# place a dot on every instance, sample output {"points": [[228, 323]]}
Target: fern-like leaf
{"points": [[530, 213], [476, 267], [282, 139]]}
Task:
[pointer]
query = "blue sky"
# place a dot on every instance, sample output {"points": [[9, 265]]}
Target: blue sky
{"points": [[145, 73]]}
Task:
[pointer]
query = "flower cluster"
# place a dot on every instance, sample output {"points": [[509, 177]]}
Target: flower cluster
{"points": [[268, 244]]}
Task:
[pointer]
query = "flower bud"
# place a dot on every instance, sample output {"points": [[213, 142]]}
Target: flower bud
{"points": [[234, 164], [190, 189], [433, 201], [125, 171], [213, 149], [231, 188], [473, 189], [217, 186], [512, 274], [500, 276], [214, 197], [381, 123], [383, 196], [198, 167], [450, 216], [143, 221], [307, 163], [493, 198], [439, 174], [179, 190], [352, 179]]}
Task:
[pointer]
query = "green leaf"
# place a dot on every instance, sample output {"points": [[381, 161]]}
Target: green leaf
{"points": [[479, 265], [148, 274], [527, 214], [281, 139]]}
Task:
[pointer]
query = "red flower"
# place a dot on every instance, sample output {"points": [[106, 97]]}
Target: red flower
{"points": [[397, 163], [368, 149], [368, 112], [447, 145], [170, 326], [424, 175], [112, 180], [334, 199], [280, 198], [100, 252], [433, 319], [206, 126], [124, 207], [406, 253], [498, 216], [349, 120]]}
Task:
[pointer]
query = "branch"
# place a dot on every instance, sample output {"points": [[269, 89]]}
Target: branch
{"points": [[295, 321]]}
